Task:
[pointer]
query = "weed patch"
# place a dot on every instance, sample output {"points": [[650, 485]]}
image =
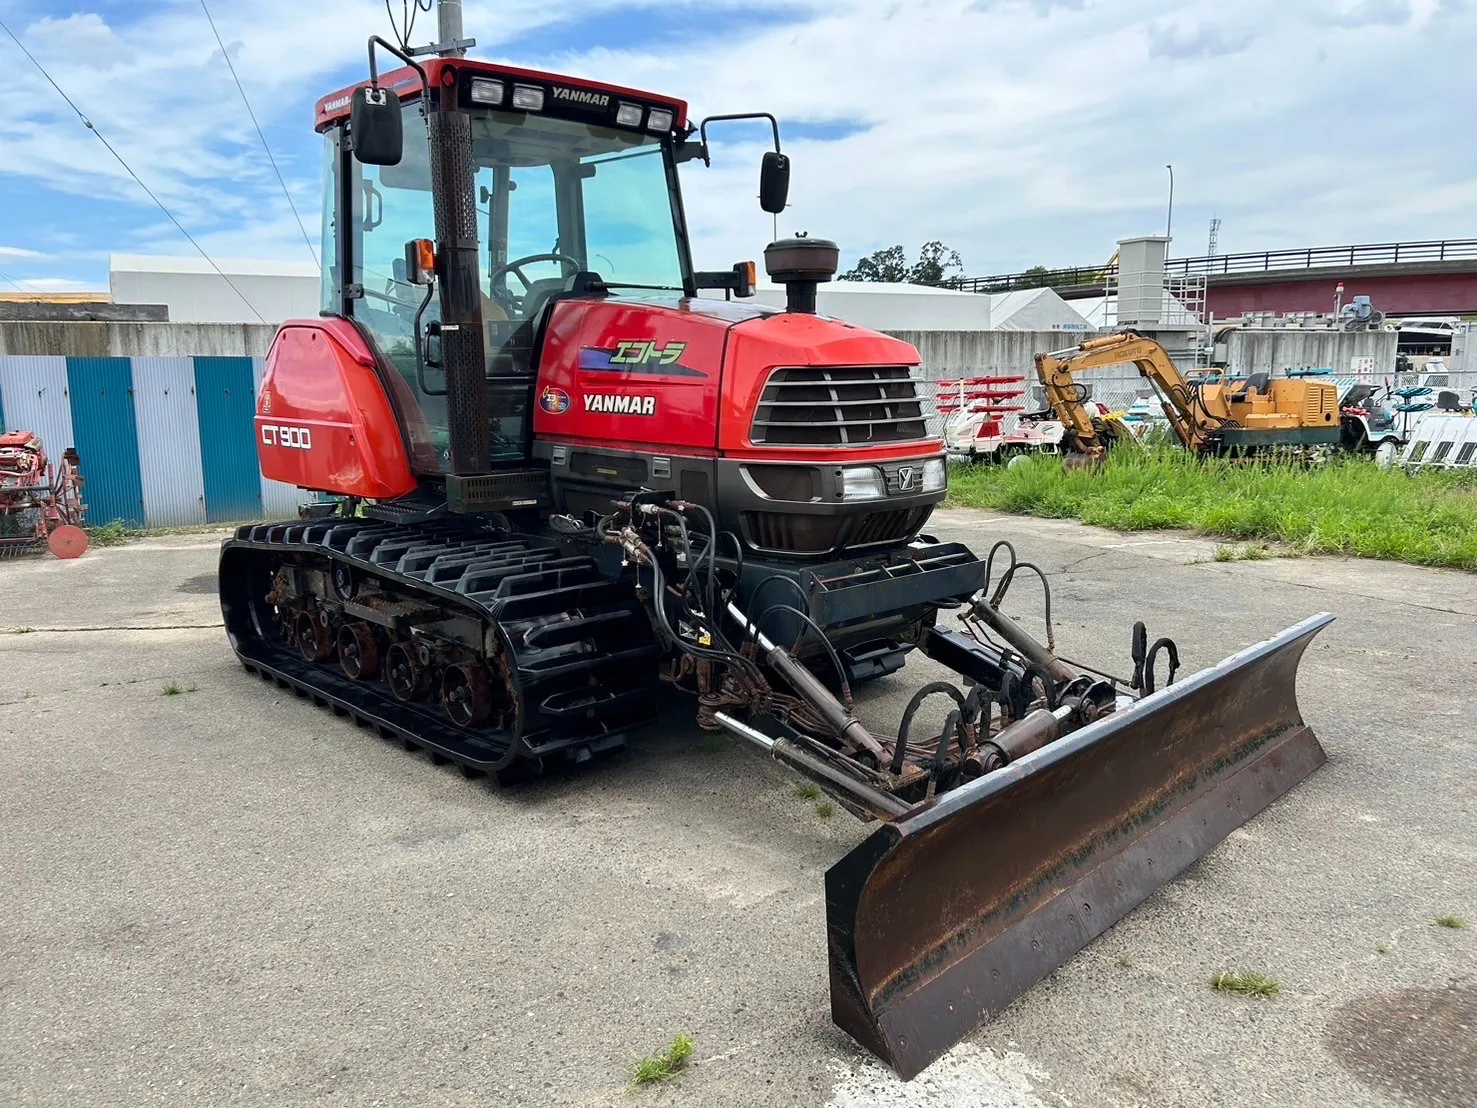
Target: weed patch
{"points": [[659, 1067], [1456, 923], [1349, 506], [1245, 984]]}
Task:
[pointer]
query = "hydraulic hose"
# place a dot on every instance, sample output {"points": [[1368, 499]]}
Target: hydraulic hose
{"points": [[837, 716]]}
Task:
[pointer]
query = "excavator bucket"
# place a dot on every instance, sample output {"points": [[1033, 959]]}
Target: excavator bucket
{"points": [[944, 916]]}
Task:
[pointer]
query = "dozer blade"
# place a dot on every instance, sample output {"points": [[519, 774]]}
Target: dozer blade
{"points": [[943, 917]]}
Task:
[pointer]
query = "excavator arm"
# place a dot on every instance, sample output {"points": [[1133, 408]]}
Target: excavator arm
{"points": [[1068, 398]]}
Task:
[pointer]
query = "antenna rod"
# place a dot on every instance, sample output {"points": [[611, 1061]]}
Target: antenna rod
{"points": [[449, 27]]}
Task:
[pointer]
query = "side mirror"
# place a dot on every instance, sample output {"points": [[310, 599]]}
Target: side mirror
{"points": [[774, 182], [375, 127]]}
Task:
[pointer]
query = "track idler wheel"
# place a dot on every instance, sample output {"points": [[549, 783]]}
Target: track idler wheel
{"points": [[344, 580], [409, 677], [358, 651], [314, 635], [465, 694]]}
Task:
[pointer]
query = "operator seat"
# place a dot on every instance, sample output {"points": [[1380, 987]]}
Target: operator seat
{"points": [[1257, 382]]}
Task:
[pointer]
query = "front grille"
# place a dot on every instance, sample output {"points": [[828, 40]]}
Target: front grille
{"points": [[784, 482], [888, 526], [840, 406], [791, 533]]}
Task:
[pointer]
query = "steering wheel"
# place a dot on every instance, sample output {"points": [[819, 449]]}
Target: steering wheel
{"points": [[497, 283]]}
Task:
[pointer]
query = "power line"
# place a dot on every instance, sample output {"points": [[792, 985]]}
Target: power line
{"points": [[89, 125], [306, 238]]}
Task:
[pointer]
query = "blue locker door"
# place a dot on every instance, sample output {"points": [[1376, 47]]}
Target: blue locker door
{"points": [[226, 399], [106, 433]]}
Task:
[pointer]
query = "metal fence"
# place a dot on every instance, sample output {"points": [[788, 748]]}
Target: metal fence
{"points": [[164, 442], [1265, 261]]}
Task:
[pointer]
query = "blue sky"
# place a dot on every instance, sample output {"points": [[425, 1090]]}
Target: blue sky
{"points": [[1018, 131]]}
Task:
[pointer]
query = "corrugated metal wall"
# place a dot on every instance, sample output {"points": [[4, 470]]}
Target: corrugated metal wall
{"points": [[168, 441], [106, 437], [226, 401], [164, 441]]}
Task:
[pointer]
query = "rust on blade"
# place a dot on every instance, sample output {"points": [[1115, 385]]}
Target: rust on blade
{"points": [[941, 918]]}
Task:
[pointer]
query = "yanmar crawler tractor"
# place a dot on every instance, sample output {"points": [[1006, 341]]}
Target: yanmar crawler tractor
{"points": [[567, 477]]}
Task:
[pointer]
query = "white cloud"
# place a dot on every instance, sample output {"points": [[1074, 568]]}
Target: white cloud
{"points": [[1017, 131], [55, 284], [18, 252], [1375, 13]]}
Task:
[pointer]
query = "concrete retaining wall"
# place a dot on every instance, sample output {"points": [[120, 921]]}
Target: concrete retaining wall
{"points": [[72, 339], [1278, 350]]}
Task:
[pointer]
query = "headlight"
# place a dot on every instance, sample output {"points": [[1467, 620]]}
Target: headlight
{"points": [[528, 98], [935, 475], [486, 92], [862, 483], [660, 121], [628, 115]]}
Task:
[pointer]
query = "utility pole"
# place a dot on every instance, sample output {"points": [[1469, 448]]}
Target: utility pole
{"points": [[449, 28], [1169, 222]]}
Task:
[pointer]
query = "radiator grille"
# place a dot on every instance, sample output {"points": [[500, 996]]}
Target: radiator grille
{"points": [[840, 406], [888, 526], [791, 533]]}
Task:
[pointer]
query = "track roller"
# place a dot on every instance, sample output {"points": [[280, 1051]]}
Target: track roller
{"points": [[409, 677], [359, 651], [314, 635], [465, 694]]}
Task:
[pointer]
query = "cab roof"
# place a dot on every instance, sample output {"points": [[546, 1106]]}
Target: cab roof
{"points": [[451, 72]]}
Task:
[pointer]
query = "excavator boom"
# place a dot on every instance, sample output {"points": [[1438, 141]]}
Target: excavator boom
{"points": [[1206, 416]]}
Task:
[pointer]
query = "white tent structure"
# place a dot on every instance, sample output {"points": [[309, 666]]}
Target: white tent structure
{"points": [[889, 306], [1034, 310], [194, 292]]}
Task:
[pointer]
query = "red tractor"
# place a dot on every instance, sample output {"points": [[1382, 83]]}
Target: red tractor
{"points": [[40, 503], [572, 468]]}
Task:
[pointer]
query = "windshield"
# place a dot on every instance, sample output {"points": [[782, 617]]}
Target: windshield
{"points": [[554, 197]]}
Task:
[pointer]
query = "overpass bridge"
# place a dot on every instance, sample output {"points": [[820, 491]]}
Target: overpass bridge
{"points": [[1401, 278]]}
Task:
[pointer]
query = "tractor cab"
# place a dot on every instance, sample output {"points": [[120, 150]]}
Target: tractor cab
{"points": [[560, 189]]}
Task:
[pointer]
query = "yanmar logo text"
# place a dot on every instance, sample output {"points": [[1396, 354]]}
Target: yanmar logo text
{"points": [[607, 404], [335, 105], [582, 96]]}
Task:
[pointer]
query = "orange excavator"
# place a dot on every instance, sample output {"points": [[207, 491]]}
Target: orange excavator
{"points": [[569, 469], [1208, 415]]}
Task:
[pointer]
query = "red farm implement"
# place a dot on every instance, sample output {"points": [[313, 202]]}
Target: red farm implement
{"points": [[40, 503]]}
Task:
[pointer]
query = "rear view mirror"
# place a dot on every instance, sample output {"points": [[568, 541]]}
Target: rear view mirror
{"points": [[774, 182], [375, 128]]}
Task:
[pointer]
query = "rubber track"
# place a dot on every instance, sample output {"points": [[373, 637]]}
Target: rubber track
{"points": [[522, 583]]}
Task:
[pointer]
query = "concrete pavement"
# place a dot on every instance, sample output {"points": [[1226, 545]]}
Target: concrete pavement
{"points": [[228, 896]]}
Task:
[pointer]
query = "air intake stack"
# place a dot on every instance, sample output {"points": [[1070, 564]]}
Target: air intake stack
{"points": [[800, 264]]}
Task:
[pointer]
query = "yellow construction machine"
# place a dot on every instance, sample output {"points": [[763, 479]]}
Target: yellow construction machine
{"points": [[1209, 414]]}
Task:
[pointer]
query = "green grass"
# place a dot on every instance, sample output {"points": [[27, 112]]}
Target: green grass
{"points": [[112, 534], [1348, 506], [1246, 552], [807, 792], [1245, 984], [659, 1067], [171, 689], [825, 809], [1456, 923]]}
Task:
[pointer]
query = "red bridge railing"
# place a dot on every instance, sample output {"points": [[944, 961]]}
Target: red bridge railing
{"points": [[1265, 261]]}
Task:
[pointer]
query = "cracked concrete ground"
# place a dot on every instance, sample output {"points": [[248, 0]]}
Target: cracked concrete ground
{"points": [[229, 897]]}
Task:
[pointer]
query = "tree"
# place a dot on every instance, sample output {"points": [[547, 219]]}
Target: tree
{"points": [[1037, 277], [935, 264], [890, 264], [935, 261]]}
